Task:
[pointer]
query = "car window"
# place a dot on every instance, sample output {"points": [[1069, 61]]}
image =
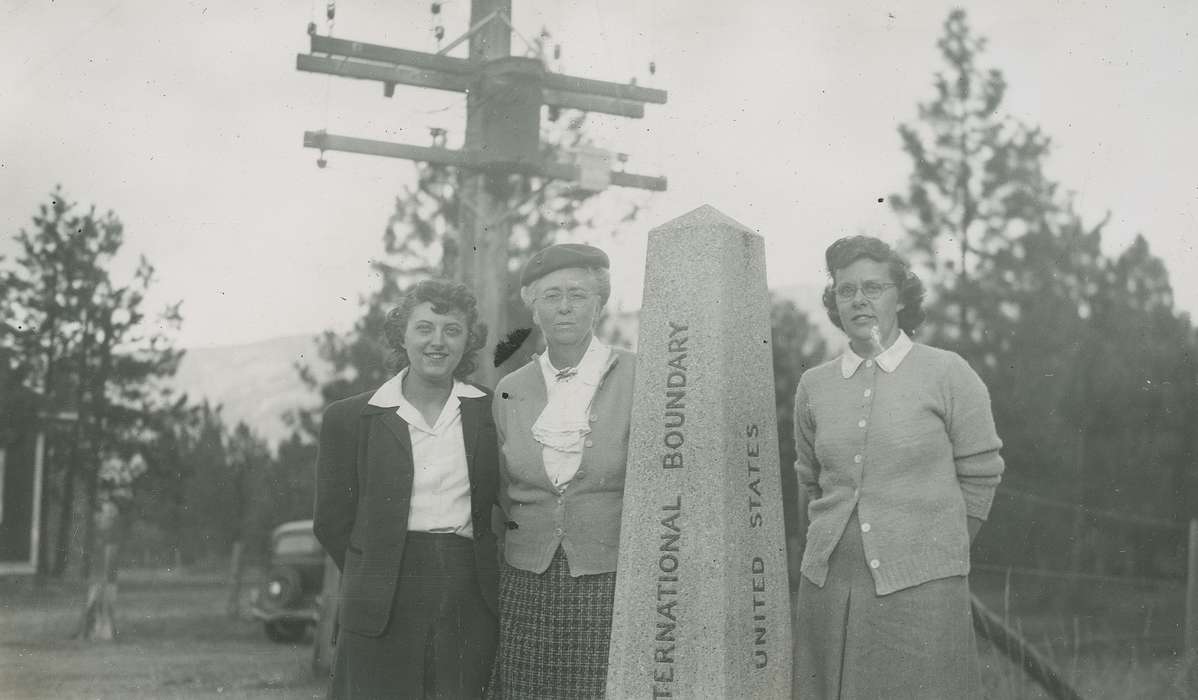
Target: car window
{"points": [[297, 543]]}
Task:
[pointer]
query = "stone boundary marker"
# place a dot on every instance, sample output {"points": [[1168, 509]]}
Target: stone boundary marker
{"points": [[702, 606]]}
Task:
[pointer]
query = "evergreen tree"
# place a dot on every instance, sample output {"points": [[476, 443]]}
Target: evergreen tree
{"points": [[1090, 368], [85, 343], [976, 182], [797, 346]]}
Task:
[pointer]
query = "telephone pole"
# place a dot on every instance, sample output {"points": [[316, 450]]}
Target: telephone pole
{"points": [[504, 96]]}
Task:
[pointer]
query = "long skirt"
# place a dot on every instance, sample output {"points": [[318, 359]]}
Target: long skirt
{"points": [[554, 633], [440, 640], [852, 643]]}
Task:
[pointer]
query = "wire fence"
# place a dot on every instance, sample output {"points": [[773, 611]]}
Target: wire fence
{"points": [[1083, 581]]}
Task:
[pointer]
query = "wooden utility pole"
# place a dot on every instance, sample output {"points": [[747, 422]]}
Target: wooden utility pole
{"points": [[504, 96], [1191, 622]]}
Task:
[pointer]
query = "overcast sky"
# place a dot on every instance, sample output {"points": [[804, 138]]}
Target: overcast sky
{"points": [[186, 118]]}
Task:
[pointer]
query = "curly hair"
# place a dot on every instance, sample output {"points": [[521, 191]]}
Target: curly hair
{"points": [[850, 249], [446, 297]]}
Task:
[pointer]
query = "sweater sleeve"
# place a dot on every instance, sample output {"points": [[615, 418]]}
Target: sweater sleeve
{"points": [[974, 439], [806, 465]]}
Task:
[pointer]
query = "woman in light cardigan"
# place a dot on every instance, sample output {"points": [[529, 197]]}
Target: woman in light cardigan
{"points": [[898, 453], [563, 424]]}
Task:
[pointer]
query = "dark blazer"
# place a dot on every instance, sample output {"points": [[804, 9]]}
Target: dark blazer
{"points": [[364, 477]]}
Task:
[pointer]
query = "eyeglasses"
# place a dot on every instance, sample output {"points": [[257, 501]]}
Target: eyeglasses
{"points": [[575, 296], [871, 289]]}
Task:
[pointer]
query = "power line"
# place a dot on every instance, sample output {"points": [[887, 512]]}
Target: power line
{"points": [[70, 42]]}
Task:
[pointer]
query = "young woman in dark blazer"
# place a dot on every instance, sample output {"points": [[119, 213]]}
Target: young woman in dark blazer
{"points": [[406, 478]]}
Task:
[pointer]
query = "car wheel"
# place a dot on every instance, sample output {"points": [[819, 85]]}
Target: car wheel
{"points": [[286, 631]]}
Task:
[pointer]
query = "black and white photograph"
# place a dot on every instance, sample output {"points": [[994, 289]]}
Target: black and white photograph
{"points": [[548, 349]]}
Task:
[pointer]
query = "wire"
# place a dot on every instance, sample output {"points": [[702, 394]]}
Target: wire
{"points": [[70, 42], [1063, 574], [1108, 514]]}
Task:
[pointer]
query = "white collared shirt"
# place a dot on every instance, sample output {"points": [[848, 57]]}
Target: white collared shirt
{"points": [[441, 479], [564, 423], [889, 359]]}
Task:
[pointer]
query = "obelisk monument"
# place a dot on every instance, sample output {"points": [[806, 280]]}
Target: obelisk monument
{"points": [[702, 606]]}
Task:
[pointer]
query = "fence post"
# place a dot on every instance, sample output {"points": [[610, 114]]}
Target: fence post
{"points": [[236, 569], [1192, 591]]}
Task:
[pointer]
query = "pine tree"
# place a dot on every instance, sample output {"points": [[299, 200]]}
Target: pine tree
{"points": [[1090, 368], [84, 342], [976, 182], [797, 347]]}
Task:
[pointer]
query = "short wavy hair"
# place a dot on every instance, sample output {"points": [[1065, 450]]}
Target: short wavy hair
{"points": [[850, 249], [602, 276], [446, 297]]}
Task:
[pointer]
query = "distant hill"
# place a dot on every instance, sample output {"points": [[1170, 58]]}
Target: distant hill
{"points": [[256, 382]]}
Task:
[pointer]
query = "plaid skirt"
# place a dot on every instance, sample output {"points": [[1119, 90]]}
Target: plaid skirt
{"points": [[554, 633]]}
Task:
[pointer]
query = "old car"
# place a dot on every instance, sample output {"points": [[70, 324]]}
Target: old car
{"points": [[288, 601]]}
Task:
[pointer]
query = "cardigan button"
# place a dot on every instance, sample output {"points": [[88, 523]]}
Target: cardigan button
{"points": [[589, 443], [594, 417], [865, 527], [857, 459], [874, 563], [559, 532]]}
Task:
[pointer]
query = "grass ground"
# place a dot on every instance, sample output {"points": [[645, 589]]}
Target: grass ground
{"points": [[1109, 642], [1101, 676], [174, 641]]}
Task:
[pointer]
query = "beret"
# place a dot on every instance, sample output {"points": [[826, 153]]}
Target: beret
{"points": [[559, 256]]}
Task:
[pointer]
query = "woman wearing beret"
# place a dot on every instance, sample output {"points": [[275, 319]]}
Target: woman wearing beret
{"points": [[563, 423], [898, 453], [406, 478]]}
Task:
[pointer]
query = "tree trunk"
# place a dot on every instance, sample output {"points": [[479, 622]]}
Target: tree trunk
{"points": [[233, 609], [95, 430], [43, 524], [1074, 590], [66, 517], [89, 534], [99, 618], [43, 555]]}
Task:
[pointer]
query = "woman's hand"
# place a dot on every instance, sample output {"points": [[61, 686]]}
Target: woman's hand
{"points": [[973, 525]]}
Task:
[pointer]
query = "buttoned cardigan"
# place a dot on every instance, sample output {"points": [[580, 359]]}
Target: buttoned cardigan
{"points": [[914, 451], [584, 517]]}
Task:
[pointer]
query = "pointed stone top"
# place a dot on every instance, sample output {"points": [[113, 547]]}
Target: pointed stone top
{"points": [[705, 216]]}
